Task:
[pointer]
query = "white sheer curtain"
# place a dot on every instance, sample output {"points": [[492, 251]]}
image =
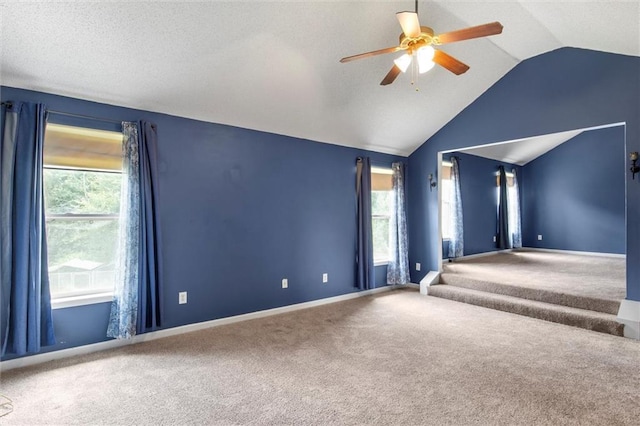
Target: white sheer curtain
{"points": [[515, 222], [124, 308], [398, 268], [456, 242]]}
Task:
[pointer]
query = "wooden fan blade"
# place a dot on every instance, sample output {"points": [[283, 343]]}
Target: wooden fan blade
{"points": [[471, 32], [449, 62], [373, 53], [391, 76], [409, 23]]}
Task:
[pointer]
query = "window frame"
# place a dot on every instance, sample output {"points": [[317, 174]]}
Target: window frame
{"points": [[381, 261], [72, 300], [446, 199], [510, 189]]}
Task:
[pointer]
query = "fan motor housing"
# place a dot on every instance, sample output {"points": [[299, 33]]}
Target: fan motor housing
{"points": [[424, 39]]}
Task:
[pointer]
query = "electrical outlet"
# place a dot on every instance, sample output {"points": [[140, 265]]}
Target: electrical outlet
{"points": [[325, 278], [495, 238], [539, 237], [182, 297], [417, 266], [285, 283]]}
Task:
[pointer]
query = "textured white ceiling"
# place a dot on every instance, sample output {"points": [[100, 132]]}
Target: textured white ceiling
{"points": [[522, 151], [273, 66]]}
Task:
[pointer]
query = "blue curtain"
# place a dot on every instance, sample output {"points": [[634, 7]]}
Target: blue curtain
{"points": [[504, 239], [456, 242], [151, 265], [398, 268], [515, 221], [26, 301], [364, 247], [123, 320], [137, 304]]}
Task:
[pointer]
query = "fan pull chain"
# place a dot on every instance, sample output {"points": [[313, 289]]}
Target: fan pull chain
{"points": [[414, 71]]}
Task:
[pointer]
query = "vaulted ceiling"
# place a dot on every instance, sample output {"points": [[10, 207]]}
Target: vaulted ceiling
{"points": [[273, 66], [522, 151]]}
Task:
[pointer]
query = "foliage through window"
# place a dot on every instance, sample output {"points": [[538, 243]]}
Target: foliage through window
{"points": [[82, 204], [381, 210]]}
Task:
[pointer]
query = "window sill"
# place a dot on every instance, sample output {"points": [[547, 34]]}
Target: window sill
{"points": [[89, 299], [380, 262]]}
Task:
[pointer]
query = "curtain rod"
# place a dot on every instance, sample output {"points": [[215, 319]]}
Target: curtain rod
{"points": [[68, 114], [88, 117]]}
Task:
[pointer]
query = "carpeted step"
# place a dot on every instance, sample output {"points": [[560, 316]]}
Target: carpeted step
{"points": [[537, 294], [590, 320]]}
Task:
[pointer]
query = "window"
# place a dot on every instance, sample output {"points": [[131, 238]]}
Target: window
{"points": [[513, 209], [381, 210], [510, 186], [82, 179], [446, 186]]}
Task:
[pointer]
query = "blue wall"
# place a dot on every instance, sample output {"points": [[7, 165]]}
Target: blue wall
{"points": [[479, 201], [240, 210], [575, 194], [565, 89]]}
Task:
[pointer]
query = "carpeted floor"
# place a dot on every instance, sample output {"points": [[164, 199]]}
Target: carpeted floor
{"points": [[395, 358], [590, 276]]}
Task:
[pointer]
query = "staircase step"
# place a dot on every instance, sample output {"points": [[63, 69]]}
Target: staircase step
{"points": [[590, 320], [536, 294]]}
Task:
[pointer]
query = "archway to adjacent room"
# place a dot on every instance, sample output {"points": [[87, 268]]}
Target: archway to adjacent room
{"points": [[573, 196]]}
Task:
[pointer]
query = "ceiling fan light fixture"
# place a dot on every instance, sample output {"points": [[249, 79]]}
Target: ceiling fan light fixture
{"points": [[403, 62], [425, 59], [416, 40], [424, 66]]}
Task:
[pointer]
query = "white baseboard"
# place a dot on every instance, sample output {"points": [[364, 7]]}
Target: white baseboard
{"points": [[581, 253], [476, 255], [432, 277], [111, 344], [629, 315]]}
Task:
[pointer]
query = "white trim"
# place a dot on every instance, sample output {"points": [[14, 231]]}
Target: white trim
{"points": [[89, 299], [439, 215], [381, 262], [110, 344], [629, 315], [584, 129], [432, 277], [581, 253], [476, 255]]}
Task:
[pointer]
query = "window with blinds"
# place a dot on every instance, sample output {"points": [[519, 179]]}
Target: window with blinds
{"points": [[82, 179], [447, 192], [509, 177], [381, 210]]}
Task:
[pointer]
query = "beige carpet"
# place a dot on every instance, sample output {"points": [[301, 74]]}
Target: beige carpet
{"points": [[587, 276], [397, 358]]}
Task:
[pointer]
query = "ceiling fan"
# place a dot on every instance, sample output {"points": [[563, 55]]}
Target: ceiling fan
{"points": [[417, 42]]}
